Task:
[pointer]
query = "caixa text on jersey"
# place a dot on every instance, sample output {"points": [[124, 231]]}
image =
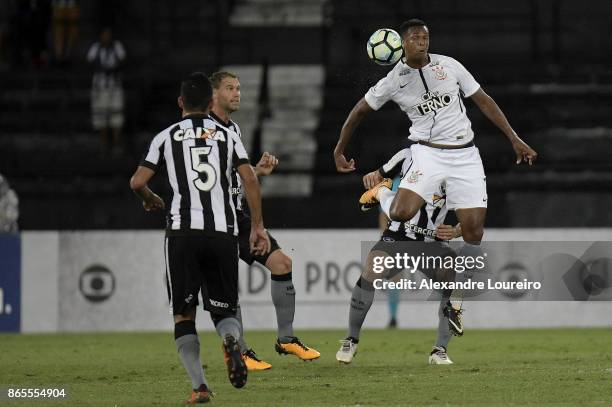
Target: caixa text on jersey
{"points": [[198, 132]]}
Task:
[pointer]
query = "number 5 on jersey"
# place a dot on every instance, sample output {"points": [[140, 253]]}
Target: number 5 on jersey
{"points": [[203, 168]]}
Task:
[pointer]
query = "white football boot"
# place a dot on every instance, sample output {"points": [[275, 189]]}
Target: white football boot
{"points": [[347, 350], [438, 356]]}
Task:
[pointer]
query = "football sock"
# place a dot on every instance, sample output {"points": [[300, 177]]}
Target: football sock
{"points": [[283, 298], [241, 341], [228, 326], [444, 335], [385, 198], [361, 301], [393, 300], [471, 250], [188, 345]]}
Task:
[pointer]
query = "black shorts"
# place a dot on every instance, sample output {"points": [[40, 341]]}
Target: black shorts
{"points": [[244, 232], [202, 263], [393, 243]]}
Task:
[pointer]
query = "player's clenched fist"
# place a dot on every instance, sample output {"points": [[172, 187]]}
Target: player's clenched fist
{"points": [[259, 240], [371, 179], [266, 164], [153, 202]]}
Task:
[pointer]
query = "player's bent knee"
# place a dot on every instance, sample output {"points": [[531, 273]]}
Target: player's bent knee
{"points": [[279, 263], [373, 270], [189, 316]]}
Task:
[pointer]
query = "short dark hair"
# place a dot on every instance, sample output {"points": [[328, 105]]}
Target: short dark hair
{"points": [[413, 22], [196, 92], [217, 77]]}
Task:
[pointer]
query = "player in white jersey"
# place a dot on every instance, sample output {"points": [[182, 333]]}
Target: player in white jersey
{"points": [[429, 89], [426, 226]]}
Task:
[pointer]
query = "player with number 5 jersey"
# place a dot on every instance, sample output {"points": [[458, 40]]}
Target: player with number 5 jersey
{"points": [[201, 247], [199, 153]]}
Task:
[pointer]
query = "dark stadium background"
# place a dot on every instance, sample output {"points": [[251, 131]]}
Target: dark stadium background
{"points": [[546, 63]]}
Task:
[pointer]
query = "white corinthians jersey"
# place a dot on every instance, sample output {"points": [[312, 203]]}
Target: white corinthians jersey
{"points": [[200, 156], [431, 97], [422, 226]]}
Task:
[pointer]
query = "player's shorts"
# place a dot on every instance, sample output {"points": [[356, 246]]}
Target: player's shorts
{"points": [[202, 263], [394, 243], [107, 108], [460, 171], [244, 232]]}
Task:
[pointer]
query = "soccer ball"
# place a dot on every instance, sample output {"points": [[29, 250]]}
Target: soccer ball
{"points": [[385, 46]]}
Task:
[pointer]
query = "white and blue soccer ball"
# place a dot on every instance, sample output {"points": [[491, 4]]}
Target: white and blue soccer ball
{"points": [[385, 46]]}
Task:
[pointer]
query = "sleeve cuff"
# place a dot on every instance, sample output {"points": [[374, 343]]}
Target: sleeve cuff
{"points": [[370, 103], [391, 173], [383, 172], [468, 94], [241, 161], [148, 164]]}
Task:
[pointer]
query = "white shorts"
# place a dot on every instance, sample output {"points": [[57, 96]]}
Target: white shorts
{"points": [[459, 172], [107, 108]]}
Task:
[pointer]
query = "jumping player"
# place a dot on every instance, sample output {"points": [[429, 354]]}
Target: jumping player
{"points": [[429, 88]]}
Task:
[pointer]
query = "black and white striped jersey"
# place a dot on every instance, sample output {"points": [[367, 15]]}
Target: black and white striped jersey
{"points": [[200, 155], [423, 225], [236, 185]]}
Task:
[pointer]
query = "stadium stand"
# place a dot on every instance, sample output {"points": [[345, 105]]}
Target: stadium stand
{"points": [[317, 70]]}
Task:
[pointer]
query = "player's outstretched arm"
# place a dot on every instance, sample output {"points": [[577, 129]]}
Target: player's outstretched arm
{"points": [[359, 111], [138, 183], [259, 239], [266, 165], [490, 109]]}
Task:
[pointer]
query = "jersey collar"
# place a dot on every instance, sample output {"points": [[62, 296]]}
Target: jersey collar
{"points": [[218, 119], [195, 116], [403, 60]]}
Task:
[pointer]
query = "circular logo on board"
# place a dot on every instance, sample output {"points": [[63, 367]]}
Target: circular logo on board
{"points": [[514, 272], [97, 283]]}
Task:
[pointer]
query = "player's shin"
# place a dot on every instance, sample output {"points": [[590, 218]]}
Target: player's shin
{"points": [[361, 301], [444, 334], [468, 250], [283, 298], [188, 347], [241, 341]]}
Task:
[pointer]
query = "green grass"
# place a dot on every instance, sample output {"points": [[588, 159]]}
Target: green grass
{"points": [[492, 367]]}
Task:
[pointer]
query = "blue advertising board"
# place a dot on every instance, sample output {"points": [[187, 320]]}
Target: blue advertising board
{"points": [[10, 282]]}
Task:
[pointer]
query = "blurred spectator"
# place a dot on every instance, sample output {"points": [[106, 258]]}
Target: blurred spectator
{"points": [[66, 15], [9, 207], [107, 57], [29, 26]]}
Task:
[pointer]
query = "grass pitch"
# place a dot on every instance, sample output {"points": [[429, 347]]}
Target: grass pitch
{"points": [[569, 367]]}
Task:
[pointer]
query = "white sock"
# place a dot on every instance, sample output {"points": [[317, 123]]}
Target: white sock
{"points": [[385, 197]]}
